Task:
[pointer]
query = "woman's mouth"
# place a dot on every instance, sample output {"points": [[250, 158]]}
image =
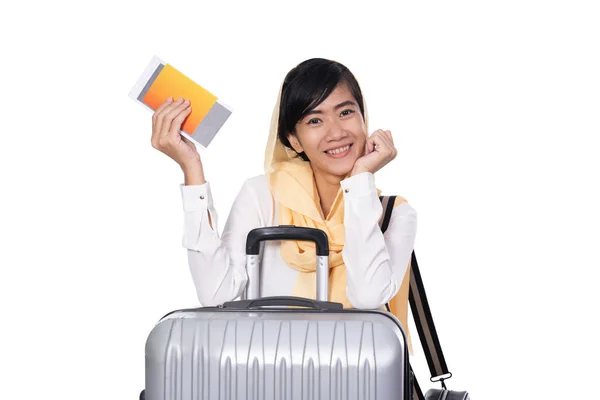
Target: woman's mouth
{"points": [[339, 152]]}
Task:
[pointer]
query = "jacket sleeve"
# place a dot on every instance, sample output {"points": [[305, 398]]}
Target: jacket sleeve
{"points": [[217, 262], [375, 264]]}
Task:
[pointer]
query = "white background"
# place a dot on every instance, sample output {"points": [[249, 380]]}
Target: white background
{"points": [[494, 107]]}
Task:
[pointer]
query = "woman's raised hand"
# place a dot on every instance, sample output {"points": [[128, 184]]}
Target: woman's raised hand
{"points": [[166, 123]]}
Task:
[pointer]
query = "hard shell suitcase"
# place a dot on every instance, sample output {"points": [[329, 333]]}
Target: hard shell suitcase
{"points": [[261, 348]]}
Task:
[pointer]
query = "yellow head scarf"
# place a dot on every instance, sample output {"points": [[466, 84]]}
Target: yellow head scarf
{"points": [[294, 190]]}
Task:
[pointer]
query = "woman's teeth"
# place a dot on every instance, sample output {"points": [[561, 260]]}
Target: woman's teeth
{"points": [[338, 151]]}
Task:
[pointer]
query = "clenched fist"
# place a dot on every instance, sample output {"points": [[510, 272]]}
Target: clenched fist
{"points": [[379, 151]]}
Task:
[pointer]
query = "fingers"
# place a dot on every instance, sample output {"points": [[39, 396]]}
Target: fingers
{"points": [[383, 143], [158, 114], [178, 120], [379, 139], [388, 135], [163, 112], [172, 113], [163, 119], [164, 105]]}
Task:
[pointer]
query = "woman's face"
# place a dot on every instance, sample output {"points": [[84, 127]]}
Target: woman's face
{"points": [[333, 134]]}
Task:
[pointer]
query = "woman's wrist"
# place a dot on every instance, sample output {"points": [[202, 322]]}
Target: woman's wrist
{"points": [[193, 175], [358, 169]]}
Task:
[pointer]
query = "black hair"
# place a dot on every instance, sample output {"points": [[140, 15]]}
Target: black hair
{"points": [[305, 87]]}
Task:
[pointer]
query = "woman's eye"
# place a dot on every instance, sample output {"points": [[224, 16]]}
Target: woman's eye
{"points": [[314, 121], [347, 112]]}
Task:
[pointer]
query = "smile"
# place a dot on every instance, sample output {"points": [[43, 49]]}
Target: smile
{"points": [[339, 152]]}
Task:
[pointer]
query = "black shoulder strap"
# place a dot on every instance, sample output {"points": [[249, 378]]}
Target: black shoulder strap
{"points": [[387, 202], [424, 323], [421, 312], [388, 205]]}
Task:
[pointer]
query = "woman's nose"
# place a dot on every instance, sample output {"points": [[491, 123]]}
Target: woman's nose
{"points": [[336, 131]]}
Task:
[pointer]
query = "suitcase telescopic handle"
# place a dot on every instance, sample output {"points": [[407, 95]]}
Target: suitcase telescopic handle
{"points": [[287, 232]]}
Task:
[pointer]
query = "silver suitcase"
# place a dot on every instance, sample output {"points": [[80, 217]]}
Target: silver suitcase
{"points": [[263, 349]]}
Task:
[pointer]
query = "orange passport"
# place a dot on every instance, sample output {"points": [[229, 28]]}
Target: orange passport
{"points": [[160, 80]]}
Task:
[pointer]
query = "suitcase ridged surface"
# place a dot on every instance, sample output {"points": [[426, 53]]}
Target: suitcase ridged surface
{"points": [[267, 355]]}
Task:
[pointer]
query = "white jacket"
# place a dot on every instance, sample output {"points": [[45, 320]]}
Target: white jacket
{"points": [[375, 263]]}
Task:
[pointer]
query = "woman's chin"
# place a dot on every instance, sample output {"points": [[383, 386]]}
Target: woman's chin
{"points": [[340, 167]]}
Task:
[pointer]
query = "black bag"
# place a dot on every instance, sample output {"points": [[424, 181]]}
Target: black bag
{"points": [[425, 327]]}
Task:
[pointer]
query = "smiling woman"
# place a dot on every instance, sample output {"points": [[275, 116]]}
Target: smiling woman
{"points": [[322, 118], [320, 163]]}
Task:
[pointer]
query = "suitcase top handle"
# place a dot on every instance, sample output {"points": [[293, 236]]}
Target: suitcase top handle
{"points": [[287, 232], [283, 301]]}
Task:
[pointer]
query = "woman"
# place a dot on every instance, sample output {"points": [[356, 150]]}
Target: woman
{"points": [[319, 172]]}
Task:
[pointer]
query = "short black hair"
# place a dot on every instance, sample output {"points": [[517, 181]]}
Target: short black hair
{"points": [[305, 87]]}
